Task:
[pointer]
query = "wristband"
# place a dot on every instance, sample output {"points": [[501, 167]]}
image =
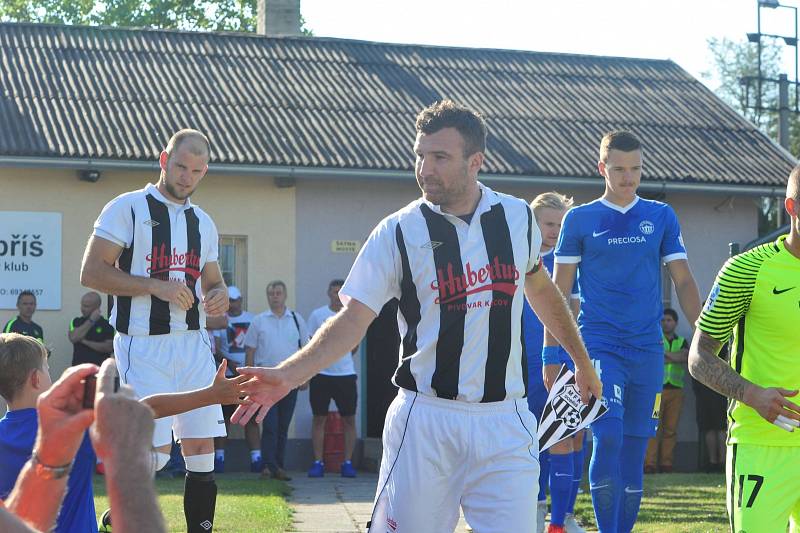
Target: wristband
{"points": [[49, 472], [551, 355]]}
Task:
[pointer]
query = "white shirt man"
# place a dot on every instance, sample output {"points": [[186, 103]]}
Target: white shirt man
{"points": [[273, 336], [338, 383]]}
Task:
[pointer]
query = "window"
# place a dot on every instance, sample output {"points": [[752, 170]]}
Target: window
{"points": [[233, 262]]}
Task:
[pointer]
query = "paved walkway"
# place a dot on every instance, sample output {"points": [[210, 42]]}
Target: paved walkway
{"points": [[334, 504]]}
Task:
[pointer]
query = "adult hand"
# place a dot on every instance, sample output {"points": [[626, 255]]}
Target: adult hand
{"points": [[95, 316], [772, 405], [174, 292], [123, 427], [588, 382], [264, 387], [62, 418], [216, 302], [549, 374]]}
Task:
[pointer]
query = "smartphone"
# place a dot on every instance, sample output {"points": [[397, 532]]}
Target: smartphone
{"points": [[89, 388]]}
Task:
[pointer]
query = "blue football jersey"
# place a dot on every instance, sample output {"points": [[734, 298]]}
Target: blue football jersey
{"points": [[17, 436], [533, 328], [619, 252]]}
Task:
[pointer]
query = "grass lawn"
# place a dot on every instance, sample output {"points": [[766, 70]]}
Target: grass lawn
{"points": [[244, 503], [674, 503]]}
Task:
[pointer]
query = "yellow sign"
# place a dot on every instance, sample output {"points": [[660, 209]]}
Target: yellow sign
{"points": [[345, 247]]}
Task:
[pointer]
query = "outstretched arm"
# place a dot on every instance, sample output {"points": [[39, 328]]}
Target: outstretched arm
{"points": [[221, 391], [337, 336], [706, 367]]}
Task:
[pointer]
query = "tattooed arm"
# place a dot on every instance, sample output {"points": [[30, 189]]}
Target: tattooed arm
{"points": [[707, 368]]}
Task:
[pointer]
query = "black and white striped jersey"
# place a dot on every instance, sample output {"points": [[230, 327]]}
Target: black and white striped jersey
{"points": [[460, 291], [163, 240]]}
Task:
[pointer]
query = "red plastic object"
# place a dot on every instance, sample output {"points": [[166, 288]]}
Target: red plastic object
{"points": [[333, 443]]}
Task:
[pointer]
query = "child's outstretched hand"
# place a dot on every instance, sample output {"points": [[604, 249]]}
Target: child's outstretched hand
{"points": [[227, 391]]}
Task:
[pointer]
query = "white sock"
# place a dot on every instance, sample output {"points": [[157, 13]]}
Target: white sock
{"points": [[255, 455]]}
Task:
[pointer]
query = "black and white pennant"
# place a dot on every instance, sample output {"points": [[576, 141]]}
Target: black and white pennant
{"points": [[564, 414]]}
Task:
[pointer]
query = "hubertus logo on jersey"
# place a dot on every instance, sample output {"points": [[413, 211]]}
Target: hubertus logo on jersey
{"points": [[494, 276], [162, 263]]}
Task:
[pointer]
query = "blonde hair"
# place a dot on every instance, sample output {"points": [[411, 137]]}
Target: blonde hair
{"points": [[19, 356], [551, 200], [196, 141]]}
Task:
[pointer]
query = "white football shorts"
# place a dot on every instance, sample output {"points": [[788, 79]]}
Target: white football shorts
{"points": [[441, 454], [176, 362]]}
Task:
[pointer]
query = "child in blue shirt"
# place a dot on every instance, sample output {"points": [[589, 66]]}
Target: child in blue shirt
{"points": [[24, 376]]}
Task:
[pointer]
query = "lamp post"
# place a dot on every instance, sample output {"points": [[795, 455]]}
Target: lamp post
{"points": [[782, 80]]}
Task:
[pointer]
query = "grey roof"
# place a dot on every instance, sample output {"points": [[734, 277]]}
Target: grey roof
{"points": [[107, 93]]}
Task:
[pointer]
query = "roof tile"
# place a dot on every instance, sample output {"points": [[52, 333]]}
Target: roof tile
{"points": [[70, 91]]}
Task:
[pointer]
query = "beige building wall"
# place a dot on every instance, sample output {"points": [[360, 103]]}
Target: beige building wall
{"points": [[240, 205]]}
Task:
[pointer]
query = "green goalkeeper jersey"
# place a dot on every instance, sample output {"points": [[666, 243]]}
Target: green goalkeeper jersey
{"points": [[757, 297]]}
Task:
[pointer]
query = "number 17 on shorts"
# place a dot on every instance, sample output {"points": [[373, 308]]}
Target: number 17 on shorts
{"points": [[763, 487]]}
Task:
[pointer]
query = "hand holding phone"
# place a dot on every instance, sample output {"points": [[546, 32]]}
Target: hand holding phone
{"points": [[89, 389]]}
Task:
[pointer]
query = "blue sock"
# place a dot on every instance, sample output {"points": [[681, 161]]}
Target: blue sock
{"points": [[560, 486], [577, 475], [633, 450], [604, 472], [544, 475]]}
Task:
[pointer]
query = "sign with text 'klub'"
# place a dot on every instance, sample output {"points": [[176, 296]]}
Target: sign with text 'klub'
{"points": [[30, 258]]}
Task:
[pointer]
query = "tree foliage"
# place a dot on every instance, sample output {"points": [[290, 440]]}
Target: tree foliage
{"points": [[735, 70], [207, 15]]}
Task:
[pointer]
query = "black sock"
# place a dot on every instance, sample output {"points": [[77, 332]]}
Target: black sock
{"points": [[199, 501]]}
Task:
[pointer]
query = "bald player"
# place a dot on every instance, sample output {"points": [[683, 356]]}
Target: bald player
{"points": [[755, 302], [91, 335], [156, 252]]}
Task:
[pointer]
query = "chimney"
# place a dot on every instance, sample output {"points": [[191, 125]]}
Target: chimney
{"points": [[278, 18]]}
